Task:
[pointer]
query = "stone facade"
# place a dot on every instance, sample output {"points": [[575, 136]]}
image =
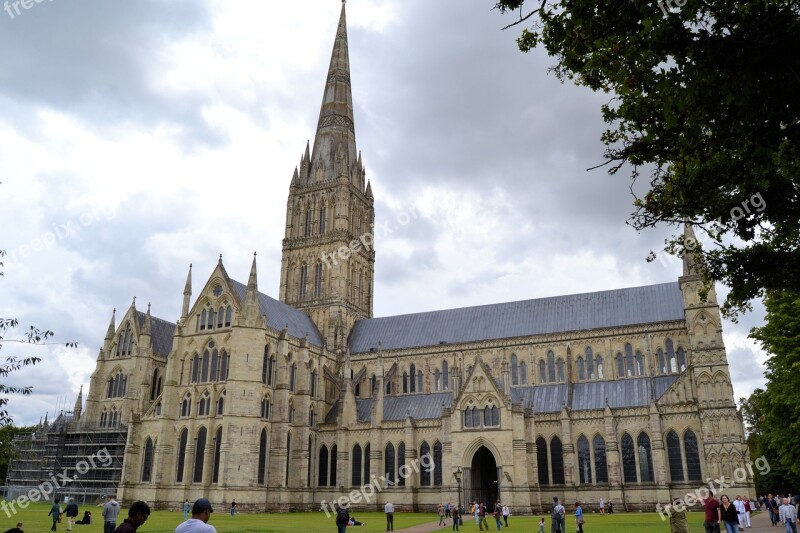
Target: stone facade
{"points": [[281, 404]]}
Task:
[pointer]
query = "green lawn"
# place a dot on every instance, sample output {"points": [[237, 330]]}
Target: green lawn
{"points": [[36, 520]]}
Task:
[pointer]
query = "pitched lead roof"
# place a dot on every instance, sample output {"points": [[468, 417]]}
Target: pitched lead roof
{"points": [[279, 315], [575, 312], [161, 332]]}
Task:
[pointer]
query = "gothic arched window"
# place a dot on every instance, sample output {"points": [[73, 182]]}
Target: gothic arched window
{"points": [[671, 362], [437, 464], [445, 376], [542, 372], [620, 366], [181, 455], [217, 452], [322, 469], [662, 363], [628, 459], [199, 455], [388, 464], [584, 460], [581, 369], [692, 456], [629, 360], [541, 461], [426, 460], [645, 458], [681, 360], [262, 458], [413, 375], [560, 366], [600, 464], [147, 462], [551, 367], [589, 363], [514, 370], [523, 373], [355, 462], [401, 462], [674, 456], [557, 460]]}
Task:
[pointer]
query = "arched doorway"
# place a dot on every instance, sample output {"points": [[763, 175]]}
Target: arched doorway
{"points": [[483, 485]]}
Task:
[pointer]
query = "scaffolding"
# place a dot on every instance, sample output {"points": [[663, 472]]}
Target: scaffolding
{"points": [[67, 459]]}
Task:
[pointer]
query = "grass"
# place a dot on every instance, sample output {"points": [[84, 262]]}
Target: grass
{"points": [[35, 519]]}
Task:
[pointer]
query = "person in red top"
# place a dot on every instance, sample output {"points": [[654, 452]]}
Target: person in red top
{"points": [[137, 515], [711, 506]]}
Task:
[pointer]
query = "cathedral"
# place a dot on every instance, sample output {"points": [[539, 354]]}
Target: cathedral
{"points": [[281, 404]]}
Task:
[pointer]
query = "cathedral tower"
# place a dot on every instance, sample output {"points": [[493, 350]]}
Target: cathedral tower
{"points": [[327, 269]]}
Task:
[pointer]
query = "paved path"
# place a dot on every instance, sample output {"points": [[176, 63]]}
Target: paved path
{"points": [[427, 528]]}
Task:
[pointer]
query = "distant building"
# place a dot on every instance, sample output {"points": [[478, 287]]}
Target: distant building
{"points": [[279, 404]]}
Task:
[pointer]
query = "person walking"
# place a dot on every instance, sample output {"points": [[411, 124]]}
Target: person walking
{"points": [[788, 515], [602, 506], [711, 508], [110, 513], [558, 516], [233, 508], [739, 504], [198, 523], [441, 512], [579, 521], [677, 519], [456, 514], [55, 510], [728, 515], [447, 509], [342, 519], [772, 505], [71, 511], [476, 512], [506, 514], [747, 510], [186, 508], [137, 515], [498, 517], [389, 510], [482, 516]]}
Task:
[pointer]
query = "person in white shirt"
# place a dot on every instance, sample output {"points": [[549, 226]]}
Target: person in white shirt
{"points": [[198, 523], [389, 510], [739, 504], [788, 515], [602, 506]]}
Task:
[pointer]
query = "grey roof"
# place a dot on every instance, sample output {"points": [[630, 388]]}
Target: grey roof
{"points": [[576, 312], [279, 314], [418, 406], [161, 332], [633, 392]]}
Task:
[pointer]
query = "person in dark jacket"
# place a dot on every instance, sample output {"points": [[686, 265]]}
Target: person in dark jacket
{"points": [[55, 510], [72, 513], [137, 515], [729, 515], [17, 529]]}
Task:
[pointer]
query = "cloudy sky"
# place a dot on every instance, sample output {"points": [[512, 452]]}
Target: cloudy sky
{"points": [[139, 137]]}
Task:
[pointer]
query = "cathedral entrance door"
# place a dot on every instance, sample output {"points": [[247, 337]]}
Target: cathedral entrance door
{"points": [[484, 485]]}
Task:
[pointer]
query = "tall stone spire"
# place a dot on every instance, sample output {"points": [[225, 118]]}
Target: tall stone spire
{"points": [[187, 295], [335, 128]]}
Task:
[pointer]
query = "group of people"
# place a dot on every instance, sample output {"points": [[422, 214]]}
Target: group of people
{"points": [[777, 512], [480, 511], [734, 515]]}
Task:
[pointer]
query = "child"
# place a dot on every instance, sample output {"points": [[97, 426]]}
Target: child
{"points": [[541, 526]]}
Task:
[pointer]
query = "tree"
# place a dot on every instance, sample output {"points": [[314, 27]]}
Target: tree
{"points": [[704, 102], [779, 480], [777, 408]]}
